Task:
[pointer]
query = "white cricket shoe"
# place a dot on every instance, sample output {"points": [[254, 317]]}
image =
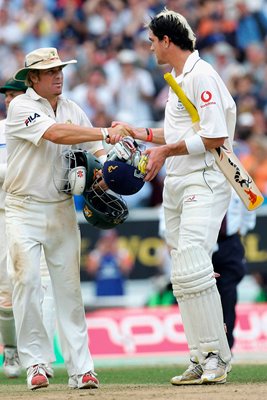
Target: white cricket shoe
{"points": [[36, 377], [48, 370], [84, 381], [11, 365], [215, 370], [191, 376]]}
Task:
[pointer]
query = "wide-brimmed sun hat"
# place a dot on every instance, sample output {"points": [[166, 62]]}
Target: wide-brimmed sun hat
{"points": [[43, 58]]}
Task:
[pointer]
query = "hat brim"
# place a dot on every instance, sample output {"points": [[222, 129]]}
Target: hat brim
{"points": [[22, 73]]}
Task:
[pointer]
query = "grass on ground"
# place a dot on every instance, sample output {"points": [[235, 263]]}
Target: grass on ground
{"points": [[153, 375]]}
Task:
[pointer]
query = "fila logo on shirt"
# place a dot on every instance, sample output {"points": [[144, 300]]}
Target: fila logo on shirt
{"points": [[31, 119], [206, 97]]}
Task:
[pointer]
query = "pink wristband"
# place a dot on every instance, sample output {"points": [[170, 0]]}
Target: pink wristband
{"points": [[149, 133]]}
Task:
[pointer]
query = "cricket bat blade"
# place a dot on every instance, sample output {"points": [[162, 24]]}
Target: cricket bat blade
{"points": [[238, 177]]}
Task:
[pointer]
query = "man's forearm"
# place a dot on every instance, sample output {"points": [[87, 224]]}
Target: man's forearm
{"points": [[72, 134], [145, 134]]}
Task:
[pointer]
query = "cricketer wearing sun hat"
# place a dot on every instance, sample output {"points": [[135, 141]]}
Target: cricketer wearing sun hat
{"points": [[40, 125], [43, 58]]}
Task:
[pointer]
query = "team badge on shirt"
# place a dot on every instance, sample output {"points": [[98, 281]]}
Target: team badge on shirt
{"points": [[180, 106]]}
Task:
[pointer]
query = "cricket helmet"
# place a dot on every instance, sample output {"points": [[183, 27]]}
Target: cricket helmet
{"points": [[121, 171], [79, 169], [122, 178], [104, 209]]}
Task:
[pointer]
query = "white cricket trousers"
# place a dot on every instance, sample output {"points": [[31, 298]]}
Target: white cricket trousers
{"points": [[194, 206], [30, 224], [5, 284]]}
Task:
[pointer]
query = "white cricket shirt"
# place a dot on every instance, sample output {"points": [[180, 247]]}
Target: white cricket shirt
{"points": [[216, 107], [30, 158], [3, 158]]}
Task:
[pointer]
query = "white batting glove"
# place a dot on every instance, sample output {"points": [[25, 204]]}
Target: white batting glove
{"points": [[119, 152], [122, 150]]}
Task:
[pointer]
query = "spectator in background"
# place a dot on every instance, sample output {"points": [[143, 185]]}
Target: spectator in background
{"points": [[256, 162], [213, 27], [10, 31], [251, 25], [244, 130], [134, 16], [109, 265], [101, 118], [260, 123], [104, 21], [37, 25], [245, 94], [133, 90], [224, 60], [70, 20], [229, 258], [94, 93], [255, 63]]}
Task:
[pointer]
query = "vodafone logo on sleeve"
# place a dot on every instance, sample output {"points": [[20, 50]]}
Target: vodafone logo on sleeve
{"points": [[206, 97]]}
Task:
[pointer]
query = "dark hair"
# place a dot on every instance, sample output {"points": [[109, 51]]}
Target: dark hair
{"points": [[175, 26]]}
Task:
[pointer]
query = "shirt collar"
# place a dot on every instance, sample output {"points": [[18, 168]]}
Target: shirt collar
{"points": [[35, 96], [190, 62]]}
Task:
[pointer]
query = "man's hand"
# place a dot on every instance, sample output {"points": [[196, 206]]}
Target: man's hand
{"points": [[156, 159], [117, 132]]}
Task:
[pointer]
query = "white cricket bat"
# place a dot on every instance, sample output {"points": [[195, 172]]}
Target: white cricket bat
{"points": [[225, 158]]}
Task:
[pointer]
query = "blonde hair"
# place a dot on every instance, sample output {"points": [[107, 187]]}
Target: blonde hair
{"points": [[28, 81]]}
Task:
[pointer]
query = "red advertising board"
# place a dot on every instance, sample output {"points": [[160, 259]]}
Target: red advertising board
{"points": [[143, 333], [123, 333]]}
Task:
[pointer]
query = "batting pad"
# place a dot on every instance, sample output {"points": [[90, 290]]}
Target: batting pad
{"points": [[195, 288], [192, 269], [7, 327]]}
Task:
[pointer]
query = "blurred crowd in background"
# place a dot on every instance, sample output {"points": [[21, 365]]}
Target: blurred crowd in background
{"points": [[117, 77]]}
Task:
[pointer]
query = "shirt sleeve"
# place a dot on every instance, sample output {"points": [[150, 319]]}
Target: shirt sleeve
{"points": [[207, 96], [26, 120]]}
